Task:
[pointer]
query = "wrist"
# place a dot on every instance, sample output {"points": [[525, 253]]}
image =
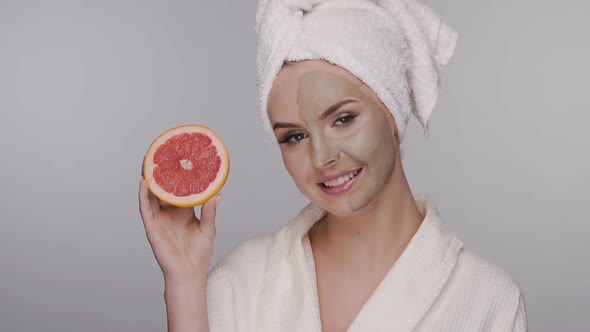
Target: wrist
{"points": [[186, 305], [184, 284]]}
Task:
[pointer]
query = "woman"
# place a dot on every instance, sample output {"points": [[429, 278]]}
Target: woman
{"points": [[338, 81]]}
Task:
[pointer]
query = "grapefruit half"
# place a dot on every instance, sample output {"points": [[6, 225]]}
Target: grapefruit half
{"points": [[186, 165]]}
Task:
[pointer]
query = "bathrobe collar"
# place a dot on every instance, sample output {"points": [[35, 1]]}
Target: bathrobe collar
{"points": [[399, 302]]}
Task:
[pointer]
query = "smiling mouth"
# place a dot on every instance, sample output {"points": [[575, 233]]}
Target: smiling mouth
{"points": [[341, 180]]}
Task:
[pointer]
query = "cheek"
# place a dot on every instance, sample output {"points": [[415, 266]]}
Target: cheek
{"points": [[385, 149], [364, 144], [295, 162]]}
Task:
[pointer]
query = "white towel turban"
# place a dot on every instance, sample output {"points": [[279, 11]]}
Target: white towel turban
{"points": [[393, 46]]}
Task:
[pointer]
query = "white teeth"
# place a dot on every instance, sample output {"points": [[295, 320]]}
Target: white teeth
{"points": [[341, 180]]}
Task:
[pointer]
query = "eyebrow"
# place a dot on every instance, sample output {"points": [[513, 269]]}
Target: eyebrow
{"points": [[322, 116]]}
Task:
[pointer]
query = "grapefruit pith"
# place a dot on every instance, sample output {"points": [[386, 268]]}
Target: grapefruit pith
{"points": [[186, 165]]}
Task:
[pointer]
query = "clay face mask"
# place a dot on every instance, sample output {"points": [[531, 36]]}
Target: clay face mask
{"points": [[355, 136]]}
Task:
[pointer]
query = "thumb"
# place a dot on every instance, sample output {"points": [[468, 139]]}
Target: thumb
{"points": [[208, 212]]}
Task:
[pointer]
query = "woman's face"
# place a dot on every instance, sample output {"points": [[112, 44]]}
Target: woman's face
{"points": [[336, 137]]}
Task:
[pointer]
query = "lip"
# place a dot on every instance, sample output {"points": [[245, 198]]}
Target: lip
{"points": [[343, 187]]}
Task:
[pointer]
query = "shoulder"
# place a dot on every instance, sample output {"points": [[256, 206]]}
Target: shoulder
{"points": [[478, 296], [236, 283], [245, 259], [486, 277], [487, 292], [253, 256], [250, 258]]}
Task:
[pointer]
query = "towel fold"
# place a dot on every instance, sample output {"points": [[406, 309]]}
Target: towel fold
{"points": [[393, 46]]}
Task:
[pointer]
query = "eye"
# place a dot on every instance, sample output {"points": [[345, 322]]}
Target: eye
{"points": [[293, 138], [344, 120]]}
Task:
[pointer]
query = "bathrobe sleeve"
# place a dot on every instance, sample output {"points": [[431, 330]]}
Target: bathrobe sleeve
{"points": [[509, 312], [520, 320]]}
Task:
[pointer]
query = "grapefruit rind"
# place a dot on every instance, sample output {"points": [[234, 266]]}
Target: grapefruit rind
{"points": [[195, 199]]}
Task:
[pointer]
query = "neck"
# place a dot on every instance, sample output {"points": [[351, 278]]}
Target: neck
{"points": [[378, 233]]}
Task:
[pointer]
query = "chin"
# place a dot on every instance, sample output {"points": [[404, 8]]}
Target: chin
{"points": [[341, 206]]}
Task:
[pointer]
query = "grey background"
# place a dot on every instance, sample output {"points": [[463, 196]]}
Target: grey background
{"points": [[86, 85]]}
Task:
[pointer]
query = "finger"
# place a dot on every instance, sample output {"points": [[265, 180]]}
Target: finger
{"points": [[145, 208], [163, 205], [153, 200], [208, 213], [142, 166]]}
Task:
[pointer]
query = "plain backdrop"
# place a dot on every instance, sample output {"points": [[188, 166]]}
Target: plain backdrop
{"points": [[85, 86]]}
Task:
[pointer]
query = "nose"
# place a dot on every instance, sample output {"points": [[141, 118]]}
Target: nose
{"points": [[325, 153]]}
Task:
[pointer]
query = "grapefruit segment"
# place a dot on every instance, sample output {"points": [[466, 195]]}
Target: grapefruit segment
{"points": [[186, 165]]}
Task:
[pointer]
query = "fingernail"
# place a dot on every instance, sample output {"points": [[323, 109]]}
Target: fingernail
{"points": [[217, 200]]}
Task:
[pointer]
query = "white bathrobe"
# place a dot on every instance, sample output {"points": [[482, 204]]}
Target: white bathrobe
{"points": [[269, 284]]}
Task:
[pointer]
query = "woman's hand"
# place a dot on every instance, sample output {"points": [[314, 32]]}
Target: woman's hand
{"points": [[181, 243]]}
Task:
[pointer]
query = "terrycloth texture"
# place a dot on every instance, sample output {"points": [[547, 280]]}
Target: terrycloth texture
{"points": [[393, 46], [269, 284]]}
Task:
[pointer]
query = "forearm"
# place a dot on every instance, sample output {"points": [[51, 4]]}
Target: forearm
{"points": [[186, 307]]}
